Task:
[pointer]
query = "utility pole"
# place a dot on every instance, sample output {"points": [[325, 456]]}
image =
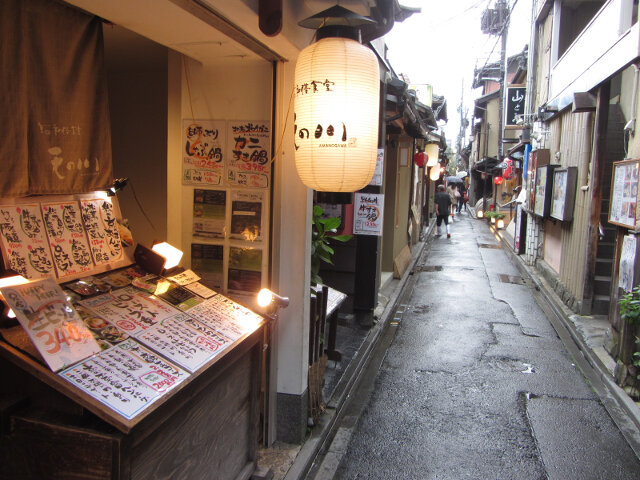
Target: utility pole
{"points": [[496, 22]]}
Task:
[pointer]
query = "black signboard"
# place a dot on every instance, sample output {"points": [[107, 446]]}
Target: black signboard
{"points": [[515, 104]]}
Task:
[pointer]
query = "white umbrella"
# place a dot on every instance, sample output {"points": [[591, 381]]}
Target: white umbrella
{"points": [[462, 174]]}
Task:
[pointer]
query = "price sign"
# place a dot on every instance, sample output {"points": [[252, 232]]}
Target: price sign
{"points": [[53, 325]]}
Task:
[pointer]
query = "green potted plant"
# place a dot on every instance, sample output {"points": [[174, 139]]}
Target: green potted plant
{"points": [[323, 232], [629, 308]]}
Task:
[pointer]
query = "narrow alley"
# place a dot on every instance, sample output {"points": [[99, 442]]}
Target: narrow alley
{"points": [[475, 382]]}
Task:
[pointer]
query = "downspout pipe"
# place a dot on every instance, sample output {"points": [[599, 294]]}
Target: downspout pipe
{"points": [[631, 125]]}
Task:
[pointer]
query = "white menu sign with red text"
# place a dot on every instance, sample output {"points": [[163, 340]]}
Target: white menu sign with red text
{"points": [[54, 327]]}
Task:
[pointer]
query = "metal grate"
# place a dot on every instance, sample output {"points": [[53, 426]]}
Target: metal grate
{"points": [[428, 268], [504, 278], [490, 245]]}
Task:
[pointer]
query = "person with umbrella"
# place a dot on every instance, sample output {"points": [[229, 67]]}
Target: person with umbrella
{"points": [[454, 194]]}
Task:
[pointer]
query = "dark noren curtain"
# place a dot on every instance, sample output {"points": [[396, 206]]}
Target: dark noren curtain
{"points": [[53, 100]]}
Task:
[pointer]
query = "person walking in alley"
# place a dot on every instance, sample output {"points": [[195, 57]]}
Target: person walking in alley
{"points": [[461, 199], [443, 204], [453, 193]]}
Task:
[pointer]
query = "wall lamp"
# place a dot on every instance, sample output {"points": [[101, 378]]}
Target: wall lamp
{"points": [[118, 184], [267, 298]]}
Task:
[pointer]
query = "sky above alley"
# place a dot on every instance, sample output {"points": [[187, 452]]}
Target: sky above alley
{"points": [[441, 46]]}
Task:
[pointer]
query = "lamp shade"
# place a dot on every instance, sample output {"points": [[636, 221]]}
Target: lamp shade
{"points": [[420, 159], [434, 173], [433, 152], [336, 115]]}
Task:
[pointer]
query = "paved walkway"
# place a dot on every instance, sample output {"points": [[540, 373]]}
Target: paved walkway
{"points": [[472, 379]]}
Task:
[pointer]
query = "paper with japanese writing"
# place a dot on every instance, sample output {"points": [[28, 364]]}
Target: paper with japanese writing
{"points": [[67, 239], [624, 193], [126, 378], [200, 290], [248, 163], [55, 328], [209, 212], [102, 229], [368, 209], [185, 341], [24, 241], [203, 155], [130, 309], [184, 278], [226, 317]]}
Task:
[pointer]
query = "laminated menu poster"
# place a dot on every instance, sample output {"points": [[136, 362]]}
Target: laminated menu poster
{"points": [[209, 213], [207, 261], [106, 334], [24, 241], [245, 270], [67, 239], [226, 316], [127, 378], [185, 341], [248, 164], [202, 156], [54, 327], [102, 228], [246, 215], [130, 309]]}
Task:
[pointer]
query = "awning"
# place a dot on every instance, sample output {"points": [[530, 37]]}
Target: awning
{"points": [[517, 152], [486, 165]]}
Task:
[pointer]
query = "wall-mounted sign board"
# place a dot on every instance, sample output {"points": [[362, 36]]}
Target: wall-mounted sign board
{"points": [[623, 204], [542, 189], [564, 193]]}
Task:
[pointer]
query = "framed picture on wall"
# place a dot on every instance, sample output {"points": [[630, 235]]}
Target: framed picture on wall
{"points": [[623, 203], [537, 158], [564, 193], [542, 190]]}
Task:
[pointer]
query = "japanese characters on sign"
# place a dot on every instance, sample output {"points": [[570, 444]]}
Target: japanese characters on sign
{"points": [[102, 228], [515, 104], [127, 378], [52, 324], [368, 209], [624, 193], [203, 152], [249, 164], [67, 239], [24, 241]]}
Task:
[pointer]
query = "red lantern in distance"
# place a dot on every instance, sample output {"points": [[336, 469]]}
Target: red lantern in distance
{"points": [[498, 180], [420, 159]]}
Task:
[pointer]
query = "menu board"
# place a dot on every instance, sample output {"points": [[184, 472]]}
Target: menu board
{"points": [[624, 193], [249, 164], [129, 309], [67, 238], [24, 241], [185, 341], [101, 225], [54, 327], [203, 157], [368, 209], [226, 316], [127, 378], [564, 191]]}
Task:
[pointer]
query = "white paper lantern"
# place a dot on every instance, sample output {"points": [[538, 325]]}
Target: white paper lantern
{"points": [[433, 151], [336, 114], [434, 173]]}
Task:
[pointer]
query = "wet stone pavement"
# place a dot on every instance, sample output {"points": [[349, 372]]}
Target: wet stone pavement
{"points": [[475, 382]]}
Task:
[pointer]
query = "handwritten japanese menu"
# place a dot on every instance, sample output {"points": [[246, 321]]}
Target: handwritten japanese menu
{"points": [[226, 317], [203, 156], [129, 309], [24, 241], [127, 378], [67, 239], [101, 225], [249, 148], [185, 341], [52, 324], [368, 209]]}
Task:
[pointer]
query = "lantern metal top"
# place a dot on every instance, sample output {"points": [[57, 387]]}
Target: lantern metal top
{"points": [[336, 21]]}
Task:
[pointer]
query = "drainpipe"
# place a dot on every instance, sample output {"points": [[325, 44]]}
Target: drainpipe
{"points": [[631, 125]]}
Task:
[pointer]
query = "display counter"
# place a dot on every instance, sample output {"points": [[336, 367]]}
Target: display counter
{"points": [[175, 399]]}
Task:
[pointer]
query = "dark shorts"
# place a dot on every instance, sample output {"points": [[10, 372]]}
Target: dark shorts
{"points": [[439, 219]]}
